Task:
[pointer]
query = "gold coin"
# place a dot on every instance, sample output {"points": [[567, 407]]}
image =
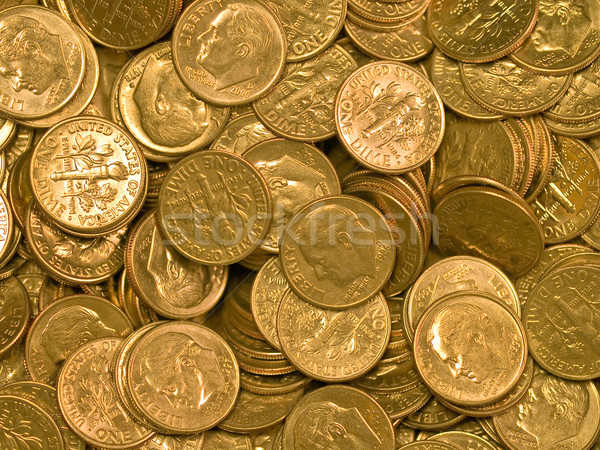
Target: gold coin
{"points": [[32, 282], [559, 319], [427, 445], [166, 442], [12, 365], [389, 117], [64, 326], [384, 12], [569, 203], [480, 31], [470, 349], [543, 143], [309, 27], [88, 398], [579, 130], [7, 228], [160, 111], [273, 384], [10, 3], [489, 224], [337, 252], [88, 176], [338, 416], [42, 62], [333, 346], [183, 377], [20, 144], [241, 133], [8, 130], [214, 207], [121, 25], [301, 105], [170, 284], [563, 40], [458, 273], [433, 416], [229, 53], [15, 308], [110, 61], [461, 439], [218, 439], [26, 425], [296, 174], [504, 88], [541, 420], [400, 403]]}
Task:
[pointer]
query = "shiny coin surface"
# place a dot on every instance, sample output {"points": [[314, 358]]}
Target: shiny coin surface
{"points": [[229, 53], [15, 309], [389, 117], [241, 133]]}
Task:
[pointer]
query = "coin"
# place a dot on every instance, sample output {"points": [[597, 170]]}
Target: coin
{"points": [[301, 105], [214, 207], [42, 62], [384, 12], [338, 415], [433, 416], [273, 384], [337, 252], [88, 176], [160, 111], [64, 326], [470, 349], [482, 31], [389, 117], [183, 377], [333, 346], [427, 445], [229, 53], [14, 304], [12, 365], [461, 439], [401, 403], [88, 398], [241, 133], [170, 284], [296, 174]]}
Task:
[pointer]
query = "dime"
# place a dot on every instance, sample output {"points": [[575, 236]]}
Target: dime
{"points": [[88, 176], [309, 27], [7, 228], [12, 365], [458, 273], [222, 439], [160, 111], [15, 309], [301, 106], [542, 420], [338, 415], [229, 53], [42, 62], [388, 13], [333, 346], [170, 284], [543, 144], [480, 31], [564, 38], [559, 319], [8, 130], [569, 203], [10, 3], [433, 416], [183, 377], [74, 259], [88, 398], [427, 445], [241, 133], [214, 207], [296, 174], [470, 349], [578, 130], [25, 425], [337, 252], [273, 384], [20, 144], [64, 326], [389, 117], [121, 25], [504, 88], [461, 439], [399, 404], [166, 442]]}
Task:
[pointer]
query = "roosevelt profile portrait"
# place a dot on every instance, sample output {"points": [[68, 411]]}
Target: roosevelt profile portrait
{"points": [[31, 57], [235, 45], [170, 114]]}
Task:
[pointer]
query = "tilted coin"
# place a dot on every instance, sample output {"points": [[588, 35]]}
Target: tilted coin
{"points": [[338, 416], [89, 401], [160, 111], [42, 62], [25, 425], [480, 31], [385, 378], [427, 445], [88, 176], [7, 228], [389, 117], [183, 377], [169, 283], [398, 404], [433, 416], [229, 53], [470, 349], [22, 142], [66, 325], [296, 174], [337, 252], [553, 414], [461, 439], [15, 309], [217, 439], [329, 345], [241, 133], [170, 442], [301, 105], [579, 130], [12, 365], [273, 384], [385, 12], [560, 319], [490, 224], [214, 207]]}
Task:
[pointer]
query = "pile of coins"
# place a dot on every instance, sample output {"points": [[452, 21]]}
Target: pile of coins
{"points": [[275, 224]]}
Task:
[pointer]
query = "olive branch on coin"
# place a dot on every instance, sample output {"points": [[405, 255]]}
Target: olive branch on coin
{"points": [[15, 432]]}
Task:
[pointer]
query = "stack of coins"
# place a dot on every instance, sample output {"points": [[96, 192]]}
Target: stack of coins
{"points": [[275, 224]]}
